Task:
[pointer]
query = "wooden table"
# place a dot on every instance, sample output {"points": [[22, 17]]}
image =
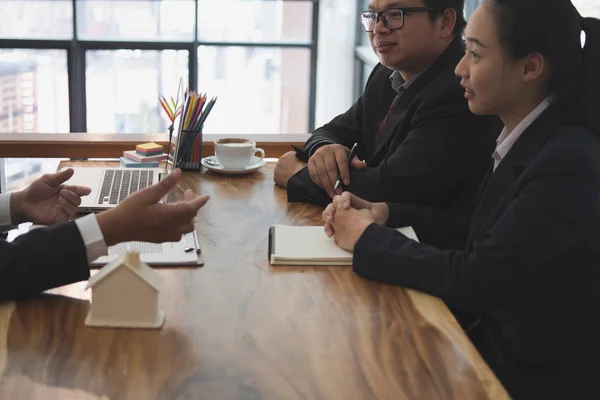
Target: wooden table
{"points": [[240, 329]]}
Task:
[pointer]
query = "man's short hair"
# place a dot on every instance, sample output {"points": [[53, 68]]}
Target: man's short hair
{"points": [[457, 5]]}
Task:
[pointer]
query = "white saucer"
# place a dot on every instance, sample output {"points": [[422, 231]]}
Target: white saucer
{"points": [[212, 164]]}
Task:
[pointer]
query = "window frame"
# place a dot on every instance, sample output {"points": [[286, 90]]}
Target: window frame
{"points": [[76, 59]]}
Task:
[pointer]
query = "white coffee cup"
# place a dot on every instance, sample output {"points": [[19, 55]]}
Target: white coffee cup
{"points": [[236, 153]]}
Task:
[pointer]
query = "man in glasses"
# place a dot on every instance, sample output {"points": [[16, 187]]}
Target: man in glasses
{"points": [[419, 142]]}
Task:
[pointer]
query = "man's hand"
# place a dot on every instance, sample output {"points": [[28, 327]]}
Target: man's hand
{"points": [[287, 166], [330, 162], [47, 201], [379, 211], [140, 217], [348, 224]]}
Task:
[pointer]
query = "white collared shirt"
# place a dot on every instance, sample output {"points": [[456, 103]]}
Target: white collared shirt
{"points": [[507, 139], [95, 246]]}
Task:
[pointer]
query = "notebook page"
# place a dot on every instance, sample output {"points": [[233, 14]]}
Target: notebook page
{"points": [[306, 243], [168, 253]]}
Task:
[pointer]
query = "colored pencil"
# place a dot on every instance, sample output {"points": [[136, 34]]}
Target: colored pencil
{"points": [[195, 111]]}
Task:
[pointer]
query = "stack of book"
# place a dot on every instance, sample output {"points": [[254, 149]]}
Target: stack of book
{"points": [[146, 155]]}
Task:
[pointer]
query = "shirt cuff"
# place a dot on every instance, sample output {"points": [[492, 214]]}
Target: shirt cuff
{"points": [[5, 220], [318, 144], [95, 246]]}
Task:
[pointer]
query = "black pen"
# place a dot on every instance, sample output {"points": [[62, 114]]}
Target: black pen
{"points": [[190, 249], [350, 157]]}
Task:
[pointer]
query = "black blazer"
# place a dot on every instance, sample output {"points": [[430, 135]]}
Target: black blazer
{"points": [[434, 151], [531, 267], [42, 259]]}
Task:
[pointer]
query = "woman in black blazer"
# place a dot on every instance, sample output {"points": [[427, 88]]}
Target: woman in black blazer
{"points": [[531, 267]]}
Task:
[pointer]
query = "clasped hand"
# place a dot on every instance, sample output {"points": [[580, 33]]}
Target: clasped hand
{"points": [[348, 216]]}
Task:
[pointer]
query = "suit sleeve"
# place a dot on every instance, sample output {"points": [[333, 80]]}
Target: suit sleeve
{"points": [[42, 259], [345, 129], [444, 148], [445, 229], [553, 212], [444, 155]]}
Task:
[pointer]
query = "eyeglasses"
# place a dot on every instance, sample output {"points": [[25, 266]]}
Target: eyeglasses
{"points": [[392, 18]]}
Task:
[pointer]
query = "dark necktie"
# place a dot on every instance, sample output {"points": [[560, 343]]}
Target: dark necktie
{"points": [[378, 137]]}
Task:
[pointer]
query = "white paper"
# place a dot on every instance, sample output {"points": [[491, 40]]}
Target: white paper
{"points": [[169, 253]]}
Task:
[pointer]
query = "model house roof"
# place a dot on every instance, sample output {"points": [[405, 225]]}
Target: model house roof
{"points": [[132, 261]]}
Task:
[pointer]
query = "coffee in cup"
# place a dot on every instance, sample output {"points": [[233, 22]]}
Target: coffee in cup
{"points": [[235, 153]]}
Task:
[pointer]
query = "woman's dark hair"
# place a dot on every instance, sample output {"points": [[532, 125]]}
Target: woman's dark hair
{"points": [[553, 29], [457, 5]]}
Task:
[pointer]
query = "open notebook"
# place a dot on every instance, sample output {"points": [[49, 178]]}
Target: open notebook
{"points": [[309, 245], [184, 252]]}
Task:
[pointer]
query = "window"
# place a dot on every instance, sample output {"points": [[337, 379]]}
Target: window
{"points": [[99, 66], [33, 91], [588, 8], [145, 20], [123, 88], [33, 98], [121, 55], [275, 80], [255, 21], [36, 19]]}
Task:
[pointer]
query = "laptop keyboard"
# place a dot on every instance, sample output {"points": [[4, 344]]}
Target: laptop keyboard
{"points": [[118, 184]]}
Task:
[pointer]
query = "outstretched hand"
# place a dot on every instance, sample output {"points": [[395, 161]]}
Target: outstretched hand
{"points": [[141, 217], [47, 201]]}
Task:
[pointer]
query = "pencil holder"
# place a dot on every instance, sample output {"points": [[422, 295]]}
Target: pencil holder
{"points": [[189, 152]]}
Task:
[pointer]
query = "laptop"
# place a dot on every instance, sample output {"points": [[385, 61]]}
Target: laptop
{"points": [[111, 185]]}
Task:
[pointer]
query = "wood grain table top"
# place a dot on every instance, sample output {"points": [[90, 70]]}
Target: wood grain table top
{"points": [[238, 328]]}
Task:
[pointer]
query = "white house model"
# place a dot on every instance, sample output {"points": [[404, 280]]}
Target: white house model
{"points": [[125, 295]]}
